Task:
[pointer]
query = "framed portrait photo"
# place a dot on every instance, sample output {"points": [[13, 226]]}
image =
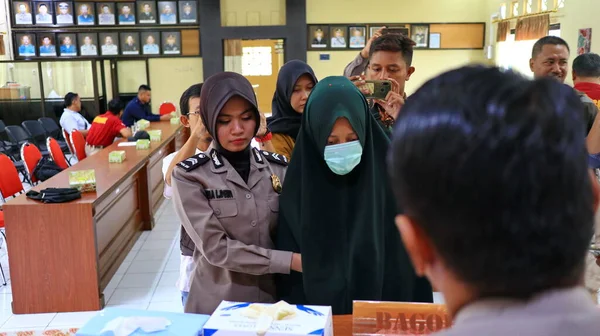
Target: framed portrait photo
{"points": [[146, 12], [168, 12], [85, 13], [318, 37], [435, 40], [338, 37], [109, 44], [88, 44], [420, 34], [130, 43], [47, 45], [67, 44], [22, 13], [188, 11], [358, 36], [126, 12], [25, 44], [64, 12], [171, 43], [374, 28], [106, 13], [43, 13], [150, 43]]}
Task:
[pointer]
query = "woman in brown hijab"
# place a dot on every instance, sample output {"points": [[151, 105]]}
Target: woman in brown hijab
{"points": [[228, 202]]}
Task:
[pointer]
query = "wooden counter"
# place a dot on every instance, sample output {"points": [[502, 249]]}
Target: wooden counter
{"points": [[62, 256], [342, 325]]}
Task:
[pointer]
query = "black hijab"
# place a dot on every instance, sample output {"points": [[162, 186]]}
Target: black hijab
{"points": [[216, 91], [285, 120], [342, 225]]}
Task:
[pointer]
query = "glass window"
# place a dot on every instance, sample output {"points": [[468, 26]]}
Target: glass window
{"points": [[560, 4], [544, 5], [529, 6], [132, 74], [503, 11], [20, 80], [61, 78], [99, 74], [515, 8], [235, 13]]}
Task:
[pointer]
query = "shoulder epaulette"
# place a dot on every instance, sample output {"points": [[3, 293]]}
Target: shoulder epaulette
{"points": [[275, 158], [194, 162]]}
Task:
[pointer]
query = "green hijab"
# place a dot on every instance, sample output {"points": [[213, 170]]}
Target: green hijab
{"points": [[342, 225]]}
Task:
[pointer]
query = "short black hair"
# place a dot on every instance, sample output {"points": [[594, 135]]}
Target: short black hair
{"points": [[395, 43], [43, 5], [193, 91], [69, 97], [547, 40], [115, 106], [143, 88], [493, 168], [587, 65]]}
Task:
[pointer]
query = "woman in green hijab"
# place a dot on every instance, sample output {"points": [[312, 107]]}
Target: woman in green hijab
{"points": [[337, 209]]}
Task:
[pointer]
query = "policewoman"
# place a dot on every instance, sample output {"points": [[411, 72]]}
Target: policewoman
{"points": [[228, 202]]}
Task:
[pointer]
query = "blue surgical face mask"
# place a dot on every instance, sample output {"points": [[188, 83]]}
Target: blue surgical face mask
{"points": [[342, 158]]}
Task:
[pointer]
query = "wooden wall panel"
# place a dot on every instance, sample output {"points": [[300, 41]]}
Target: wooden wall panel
{"points": [[460, 35], [190, 42]]}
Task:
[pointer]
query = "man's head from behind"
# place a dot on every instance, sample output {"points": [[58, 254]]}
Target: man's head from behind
{"points": [[550, 58], [72, 101], [586, 68], [391, 56], [116, 107], [144, 94], [491, 172]]}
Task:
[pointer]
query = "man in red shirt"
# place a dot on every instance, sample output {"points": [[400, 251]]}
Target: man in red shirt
{"points": [[586, 76], [105, 128]]}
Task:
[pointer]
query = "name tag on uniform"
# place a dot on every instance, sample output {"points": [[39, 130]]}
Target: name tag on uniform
{"points": [[218, 194]]}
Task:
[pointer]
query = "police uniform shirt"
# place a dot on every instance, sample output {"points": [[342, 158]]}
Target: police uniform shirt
{"points": [[24, 18], [232, 224]]}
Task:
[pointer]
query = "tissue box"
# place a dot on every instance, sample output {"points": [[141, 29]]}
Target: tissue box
{"points": [[174, 121], [116, 156], [181, 324], [142, 124], [309, 320], [155, 135], [142, 144], [83, 180]]}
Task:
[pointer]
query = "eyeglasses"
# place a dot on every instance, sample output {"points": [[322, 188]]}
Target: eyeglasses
{"points": [[193, 113]]}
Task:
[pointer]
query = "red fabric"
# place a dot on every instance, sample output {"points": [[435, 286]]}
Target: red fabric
{"points": [[104, 129], [78, 144], [31, 155], [10, 183], [57, 154], [590, 89]]}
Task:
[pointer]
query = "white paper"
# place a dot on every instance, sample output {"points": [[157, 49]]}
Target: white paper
{"points": [[126, 144], [125, 326]]}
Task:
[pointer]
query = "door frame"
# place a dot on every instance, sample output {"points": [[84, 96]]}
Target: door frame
{"points": [[293, 34]]}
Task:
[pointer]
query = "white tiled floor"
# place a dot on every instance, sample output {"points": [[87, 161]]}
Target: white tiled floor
{"points": [[145, 280]]}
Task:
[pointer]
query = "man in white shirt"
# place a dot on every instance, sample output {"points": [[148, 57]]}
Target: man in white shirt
{"points": [[71, 119]]}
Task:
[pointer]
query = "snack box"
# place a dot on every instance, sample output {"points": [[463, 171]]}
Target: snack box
{"points": [[142, 124], [83, 180], [155, 135], [142, 144], [181, 324], [230, 319], [174, 121], [116, 156]]}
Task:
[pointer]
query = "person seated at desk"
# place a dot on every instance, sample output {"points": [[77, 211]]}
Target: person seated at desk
{"points": [[139, 108], [105, 128], [71, 119]]}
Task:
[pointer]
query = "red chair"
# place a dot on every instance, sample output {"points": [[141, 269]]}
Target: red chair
{"points": [[68, 141], [31, 155], [2, 232], [10, 183], [56, 153], [78, 143], [166, 108]]}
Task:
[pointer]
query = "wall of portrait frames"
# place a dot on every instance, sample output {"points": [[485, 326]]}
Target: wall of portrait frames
{"points": [[104, 29]]}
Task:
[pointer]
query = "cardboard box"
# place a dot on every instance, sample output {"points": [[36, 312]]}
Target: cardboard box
{"points": [[116, 156], [181, 324], [155, 135], [142, 124], [83, 180], [142, 144], [229, 319]]}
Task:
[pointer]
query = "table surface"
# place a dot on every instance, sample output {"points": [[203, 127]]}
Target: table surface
{"points": [[107, 174], [342, 325]]}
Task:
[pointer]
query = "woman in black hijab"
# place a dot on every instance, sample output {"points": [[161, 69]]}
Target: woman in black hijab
{"points": [[294, 83], [338, 210], [228, 201]]}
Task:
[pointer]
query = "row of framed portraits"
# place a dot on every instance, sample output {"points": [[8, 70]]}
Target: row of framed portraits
{"points": [[88, 13], [30, 45], [340, 36]]}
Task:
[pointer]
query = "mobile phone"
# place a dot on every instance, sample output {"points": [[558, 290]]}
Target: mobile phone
{"points": [[378, 89], [595, 250]]}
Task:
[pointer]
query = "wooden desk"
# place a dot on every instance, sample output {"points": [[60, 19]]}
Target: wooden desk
{"points": [[342, 325], [62, 256]]}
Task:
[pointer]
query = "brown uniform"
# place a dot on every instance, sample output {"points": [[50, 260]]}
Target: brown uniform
{"points": [[232, 224]]}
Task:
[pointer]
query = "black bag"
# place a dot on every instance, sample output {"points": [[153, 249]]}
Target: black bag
{"points": [[45, 169], [55, 195]]}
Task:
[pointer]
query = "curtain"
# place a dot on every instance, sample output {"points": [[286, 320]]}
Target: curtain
{"points": [[532, 28], [503, 31]]}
